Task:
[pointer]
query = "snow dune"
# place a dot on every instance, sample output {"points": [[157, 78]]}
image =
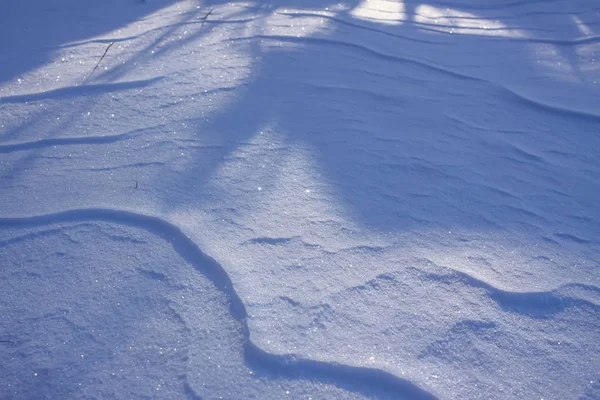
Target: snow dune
{"points": [[300, 199]]}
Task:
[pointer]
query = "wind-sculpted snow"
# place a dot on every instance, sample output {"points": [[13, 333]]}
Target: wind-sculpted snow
{"points": [[532, 304], [25, 342], [442, 319], [399, 199]]}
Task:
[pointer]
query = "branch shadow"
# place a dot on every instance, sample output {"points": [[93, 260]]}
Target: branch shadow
{"points": [[29, 40]]}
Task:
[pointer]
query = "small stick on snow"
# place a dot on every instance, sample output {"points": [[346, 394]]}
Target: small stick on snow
{"points": [[101, 58], [205, 17]]}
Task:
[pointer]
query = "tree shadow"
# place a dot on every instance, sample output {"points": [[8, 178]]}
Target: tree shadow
{"points": [[435, 126], [408, 118]]}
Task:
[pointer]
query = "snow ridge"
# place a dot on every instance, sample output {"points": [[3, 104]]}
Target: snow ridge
{"points": [[369, 381]]}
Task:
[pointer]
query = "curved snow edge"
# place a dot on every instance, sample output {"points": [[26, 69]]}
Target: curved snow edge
{"points": [[353, 378]]}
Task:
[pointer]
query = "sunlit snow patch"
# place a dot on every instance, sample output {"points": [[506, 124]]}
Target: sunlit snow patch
{"points": [[461, 22], [582, 26], [383, 11]]}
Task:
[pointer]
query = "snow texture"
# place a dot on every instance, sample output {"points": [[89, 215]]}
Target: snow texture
{"points": [[299, 199]]}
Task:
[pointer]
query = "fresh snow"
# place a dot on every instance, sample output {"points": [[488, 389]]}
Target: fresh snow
{"points": [[300, 199]]}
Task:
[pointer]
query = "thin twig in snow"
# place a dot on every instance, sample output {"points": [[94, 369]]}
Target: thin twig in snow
{"points": [[101, 58], [205, 17]]}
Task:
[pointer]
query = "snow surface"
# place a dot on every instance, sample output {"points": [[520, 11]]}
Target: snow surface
{"points": [[300, 199]]}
